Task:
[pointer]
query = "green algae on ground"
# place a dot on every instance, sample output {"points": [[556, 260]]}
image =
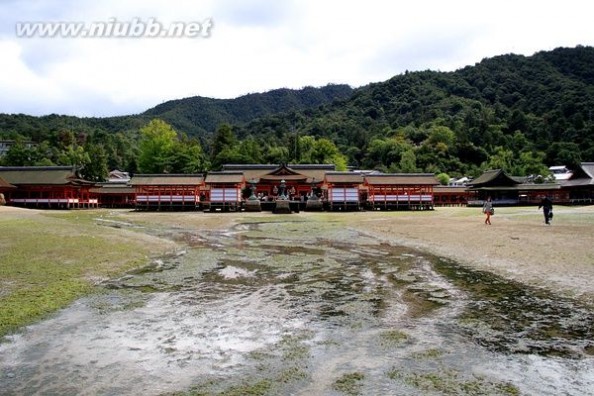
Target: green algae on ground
{"points": [[250, 388], [349, 383], [449, 382], [393, 338], [505, 315], [273, 309], [47, 261]]}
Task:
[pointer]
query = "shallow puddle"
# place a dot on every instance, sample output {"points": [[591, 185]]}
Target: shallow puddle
{"points": [[304, 308]]}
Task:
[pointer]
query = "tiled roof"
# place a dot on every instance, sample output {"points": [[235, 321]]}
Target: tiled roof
{"points": [[113, 189], [5, 184], [224, 177], [258, 171], [41, 175], [402, 179], [491, 176], [583, 176], [166, 180], [442, 188], [344, 177]]}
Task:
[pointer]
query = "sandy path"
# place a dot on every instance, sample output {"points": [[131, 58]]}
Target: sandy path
{"points": [[518, 245]]}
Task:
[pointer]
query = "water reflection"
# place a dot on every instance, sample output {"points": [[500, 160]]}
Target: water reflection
{"points": [[272, 308]]}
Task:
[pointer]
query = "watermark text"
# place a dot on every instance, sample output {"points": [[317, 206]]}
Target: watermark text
{"points": [[113, 28]]}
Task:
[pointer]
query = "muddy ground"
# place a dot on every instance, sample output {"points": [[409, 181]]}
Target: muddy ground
{"points": [[328, 304], [518, 245]]}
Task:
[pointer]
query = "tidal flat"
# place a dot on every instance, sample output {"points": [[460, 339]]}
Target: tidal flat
{"points": [[302, 304]]}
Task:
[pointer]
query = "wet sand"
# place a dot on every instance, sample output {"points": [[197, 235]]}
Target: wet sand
{"points": [[518, 245], [255, 303]]}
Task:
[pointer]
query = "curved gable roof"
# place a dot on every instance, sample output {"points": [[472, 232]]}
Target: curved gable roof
{"points": [[582, 176], [495, 177]]}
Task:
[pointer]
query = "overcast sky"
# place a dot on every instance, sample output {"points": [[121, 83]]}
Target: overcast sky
{"points": [[259, 45]]}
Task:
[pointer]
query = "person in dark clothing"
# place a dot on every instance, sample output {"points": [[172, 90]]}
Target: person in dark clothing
{"points": [[547, 209]]}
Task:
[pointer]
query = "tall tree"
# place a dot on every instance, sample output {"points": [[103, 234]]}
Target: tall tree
{"points": [[18, 155], [157, 140], [96, 170], [186, 156], [224, 146]]}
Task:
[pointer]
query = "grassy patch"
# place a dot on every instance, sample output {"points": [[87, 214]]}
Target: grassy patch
{"points": [[293, 350], [393, 338], [47, 261], [431, 353], [256, 388], [349, 384], [448, 382], [292, 374]]}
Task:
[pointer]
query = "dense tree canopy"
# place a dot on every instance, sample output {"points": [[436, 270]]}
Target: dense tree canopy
{"points": [[162, 151], [521, 114]]}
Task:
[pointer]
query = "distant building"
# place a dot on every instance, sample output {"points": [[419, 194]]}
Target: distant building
{"points": [[507, 190], [560, 172], [581, 184], [461, 181], [118, 176], [5, 145]]}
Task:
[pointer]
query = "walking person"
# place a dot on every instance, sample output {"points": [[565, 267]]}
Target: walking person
{"points": [[488, 210], [547, 209]]}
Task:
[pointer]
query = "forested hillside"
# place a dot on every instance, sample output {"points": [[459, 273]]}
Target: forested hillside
{"points": [[519, 113], [513, 112], [200, 116], [196, 116]]}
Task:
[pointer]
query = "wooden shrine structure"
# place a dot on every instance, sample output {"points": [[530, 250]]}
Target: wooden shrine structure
{"points": [[237, 187], [167, 191], [580, 185], [344, 191], [53, 187], [391, 191], [451, 195], [224, 191], [114, 195], [505, 190]]}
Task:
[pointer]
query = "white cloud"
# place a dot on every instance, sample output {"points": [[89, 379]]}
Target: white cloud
{"points": [[259, 45]]}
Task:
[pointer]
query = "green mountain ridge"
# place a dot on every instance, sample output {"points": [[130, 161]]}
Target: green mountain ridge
{"points": [[199, 116], [524, 104], [519, 113], [196, 116]]}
